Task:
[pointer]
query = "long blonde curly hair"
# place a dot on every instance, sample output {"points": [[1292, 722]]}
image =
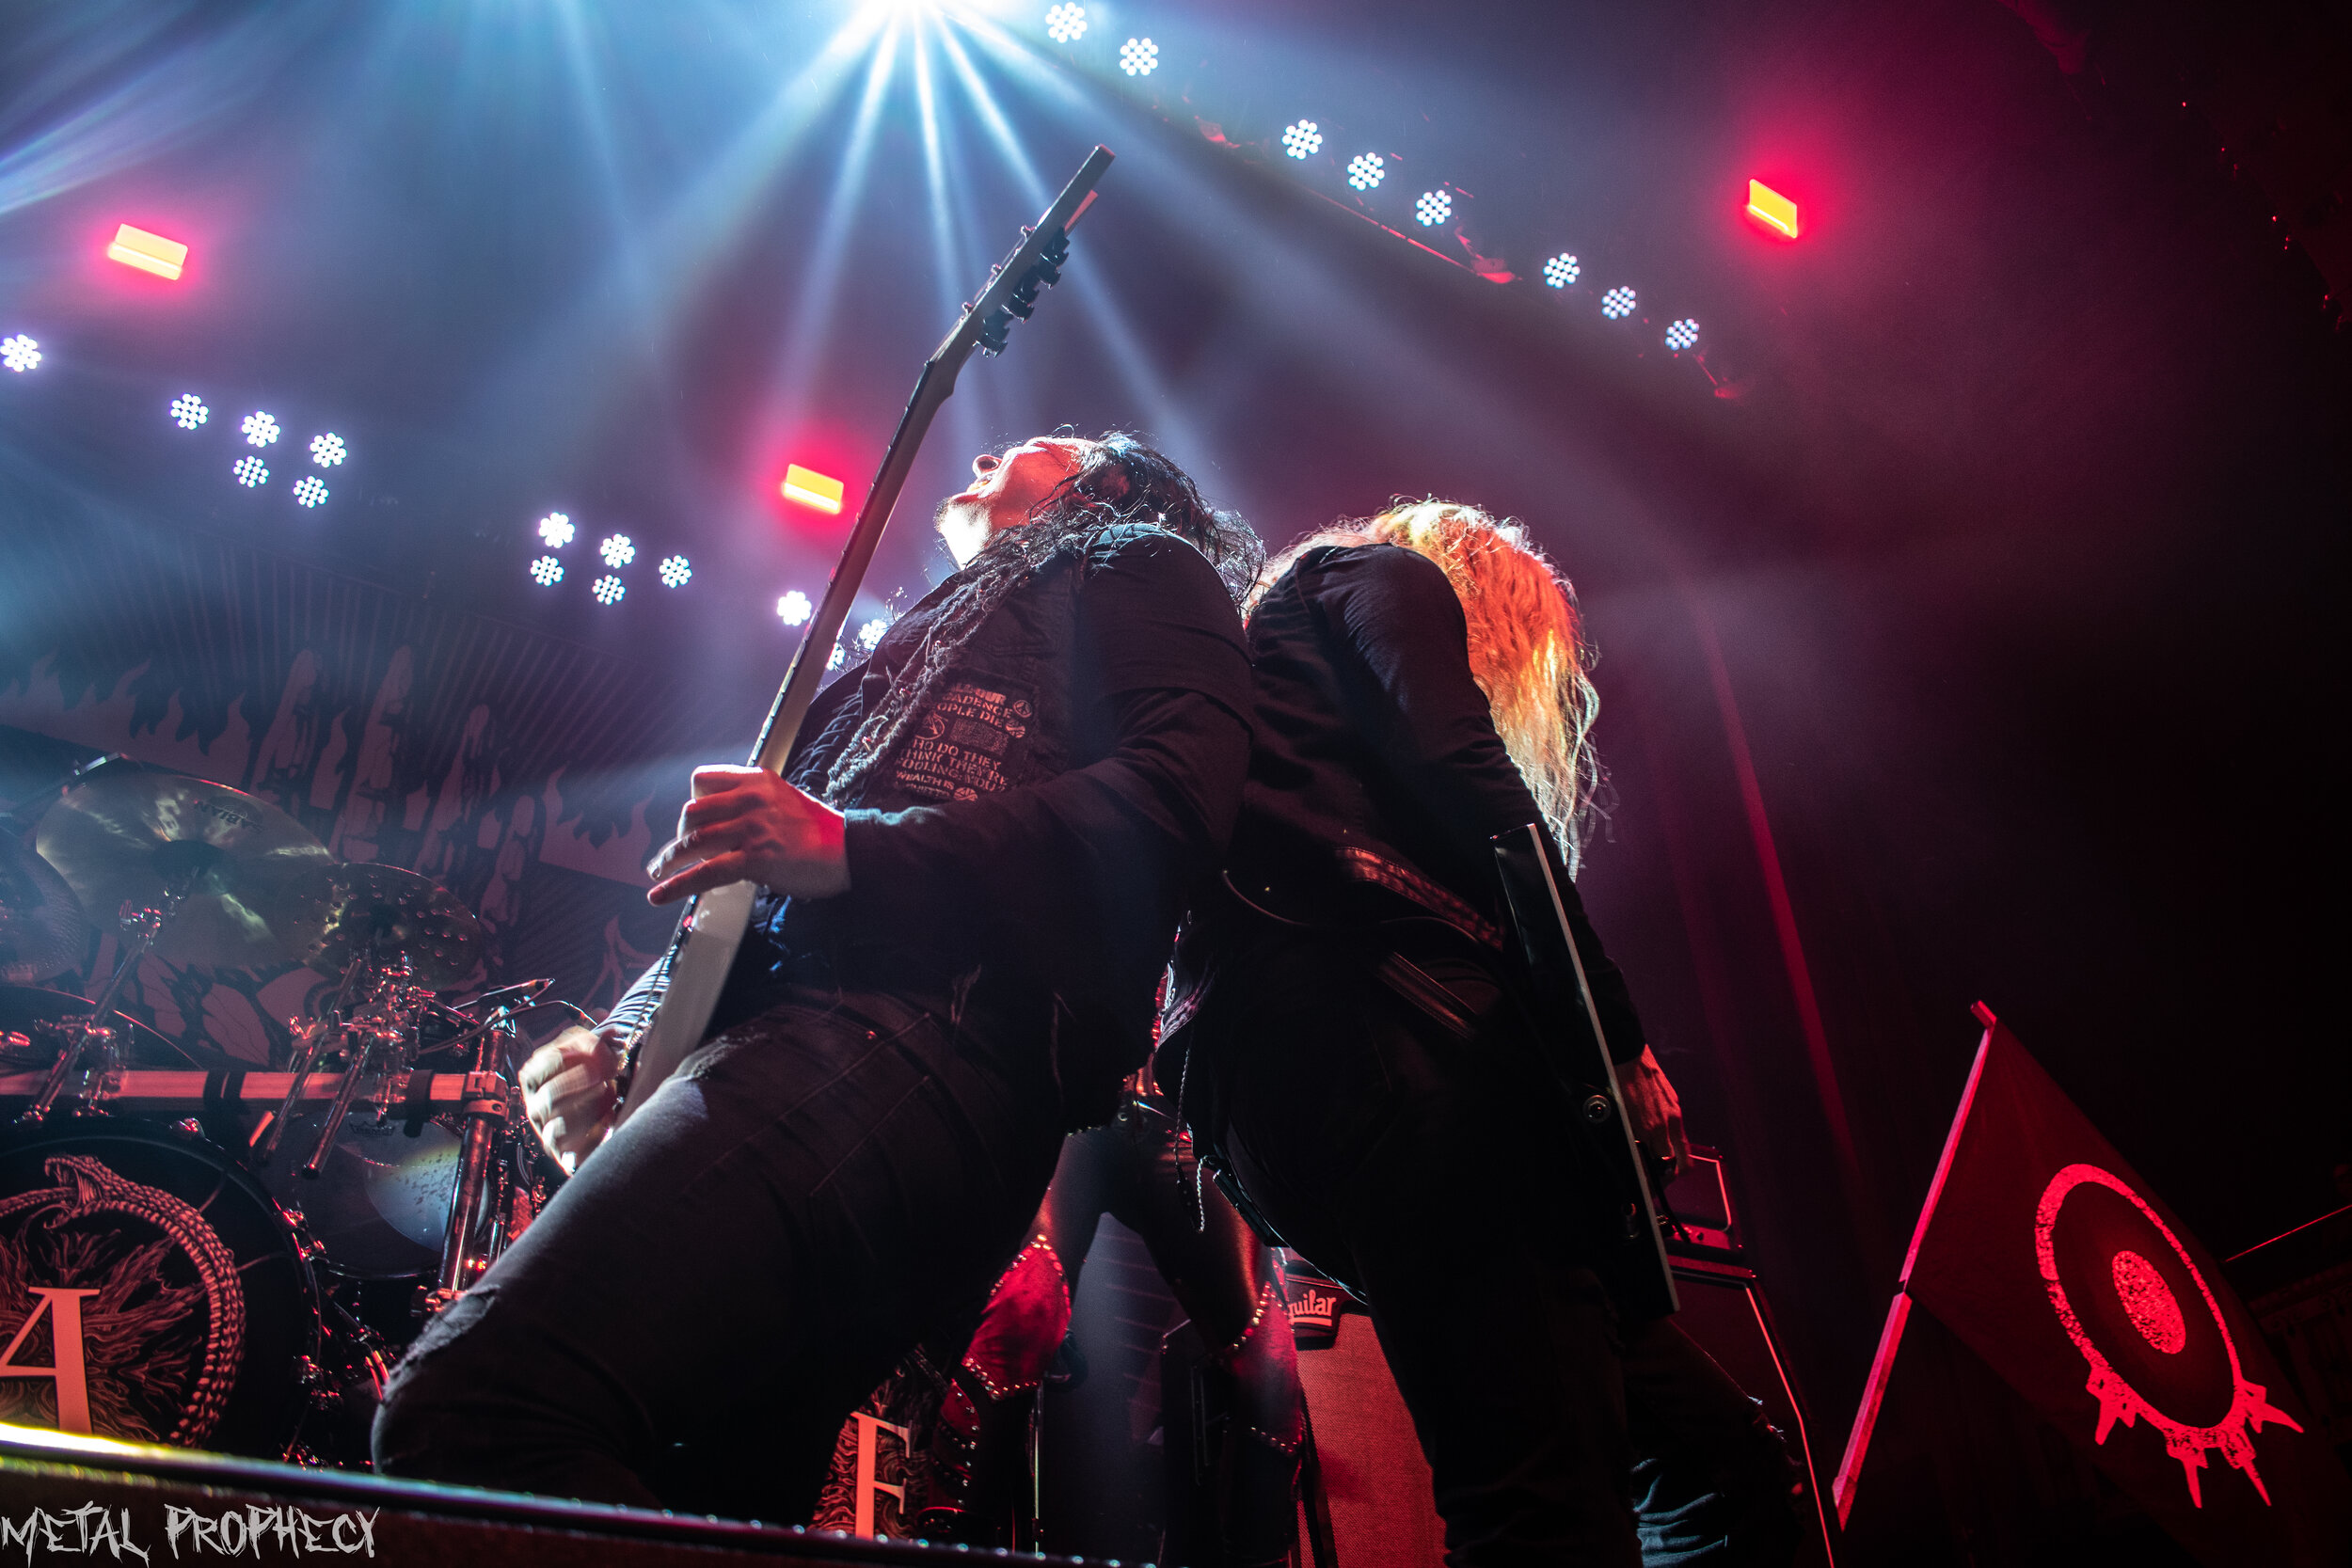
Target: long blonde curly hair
{"points": [[1528, 652]]}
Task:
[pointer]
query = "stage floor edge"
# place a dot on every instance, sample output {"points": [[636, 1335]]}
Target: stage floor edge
{"points": [[144, 1490]]}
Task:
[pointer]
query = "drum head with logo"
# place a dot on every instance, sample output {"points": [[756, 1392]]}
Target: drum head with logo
{"points": [[149, 1290]]}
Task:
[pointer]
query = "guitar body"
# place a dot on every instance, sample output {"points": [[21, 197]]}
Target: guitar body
{"points": [[681, 992], [705, 951]]}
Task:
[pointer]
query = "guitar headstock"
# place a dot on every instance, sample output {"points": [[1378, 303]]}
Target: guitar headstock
{"points": [[1034, 266], [1043, 274]]}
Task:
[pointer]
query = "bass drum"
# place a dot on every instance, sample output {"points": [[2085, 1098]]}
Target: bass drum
{"points": [[149, 1290]]}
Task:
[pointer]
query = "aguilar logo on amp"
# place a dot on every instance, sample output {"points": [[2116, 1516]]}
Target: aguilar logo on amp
{"points": [[123, 1309]]}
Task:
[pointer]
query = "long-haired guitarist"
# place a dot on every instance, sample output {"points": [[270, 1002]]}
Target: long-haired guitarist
{"points": [[1360, 1063], [971, 871]]}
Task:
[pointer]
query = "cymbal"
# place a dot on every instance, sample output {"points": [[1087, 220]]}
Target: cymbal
{"points": [[124, 838], [42, 929], [334, 913], [22, 1006]]}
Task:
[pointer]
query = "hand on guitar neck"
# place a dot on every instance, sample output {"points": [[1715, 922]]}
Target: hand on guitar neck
{"points": [[1655, 1111], [746, 825]]}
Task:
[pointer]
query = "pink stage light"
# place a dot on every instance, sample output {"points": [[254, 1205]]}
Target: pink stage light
{"points": [[1772, 210], [811, 489], [135, 247]]}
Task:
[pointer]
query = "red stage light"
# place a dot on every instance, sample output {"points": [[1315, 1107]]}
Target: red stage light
{"points": [[136, 247], [1772, 210], [811, 489]]}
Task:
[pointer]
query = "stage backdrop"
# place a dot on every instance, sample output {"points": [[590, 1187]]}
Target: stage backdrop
{"points": [[508, 765]]}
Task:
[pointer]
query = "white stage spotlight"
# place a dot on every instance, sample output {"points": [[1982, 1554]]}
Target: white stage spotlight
{"points": [[1366, 169], [1682, 334], [189, 411], [260, 429], [618, 550], [676, 571], [1066, 24], [19, 353], [1138, 56], [1434, 208], [250, 471], [1560, 270], [556, 530], [1302, 139], [1616, 302], [546, 571], [606, 590], [794, 610], [309, 490]]}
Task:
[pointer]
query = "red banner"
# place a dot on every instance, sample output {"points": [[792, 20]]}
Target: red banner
{"points": [[2044, 1252]]}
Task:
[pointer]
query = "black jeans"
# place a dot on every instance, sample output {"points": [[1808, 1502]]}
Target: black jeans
{"points": [[1427, 1172], [701, 1306]]}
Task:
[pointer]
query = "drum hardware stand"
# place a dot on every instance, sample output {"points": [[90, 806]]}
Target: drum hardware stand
{"points": [[85, 1035], [487, 1112], [317, 1037], [382, 1025]]}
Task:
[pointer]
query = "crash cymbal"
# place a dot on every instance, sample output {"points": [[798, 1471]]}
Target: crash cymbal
{"points": [[24, 1008], [128, 837], [335, 914], [43, 930]]}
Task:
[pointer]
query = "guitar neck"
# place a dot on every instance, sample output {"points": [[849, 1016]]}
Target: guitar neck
{"points": [[782, 728]]}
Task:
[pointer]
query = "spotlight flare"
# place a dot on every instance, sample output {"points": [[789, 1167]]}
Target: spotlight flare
{"points": [[187, 412], [1682, 334], [250, 471], [1617, 303], [328, 449], [19, 353], [556, 530], [794, 610], [1302, 139], [606, 590], [676, 571], [618, 550], [309, 490], [1066, 24], [260, 429], [1560, 270], [1366, 171], [1138, 56], [1434, 208], [546, 571]]}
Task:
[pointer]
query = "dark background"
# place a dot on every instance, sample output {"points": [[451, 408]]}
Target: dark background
{"points": [[1970, 598]]}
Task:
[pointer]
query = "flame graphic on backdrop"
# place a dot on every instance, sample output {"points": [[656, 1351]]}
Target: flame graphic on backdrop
{"points": [[2156, 1312]]}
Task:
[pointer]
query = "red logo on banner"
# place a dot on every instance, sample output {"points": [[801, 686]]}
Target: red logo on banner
{"points": [[2123, 1313]]}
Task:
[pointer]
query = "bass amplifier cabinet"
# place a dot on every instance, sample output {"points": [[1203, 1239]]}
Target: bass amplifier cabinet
{"points": [[1375, 1483]]}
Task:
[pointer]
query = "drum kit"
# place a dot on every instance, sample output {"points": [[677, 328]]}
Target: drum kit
{"points": [[195, 1251]]}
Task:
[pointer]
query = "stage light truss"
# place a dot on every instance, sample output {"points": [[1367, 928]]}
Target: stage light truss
{"points": [[309, 490], [1434, 208], [546, 571], [19, 353], [1366, 171], [259, 428], [327, 449], [250, 471], [1682, 334], [676, 572], [1138, 56], [1066, 24], [1617, 303], [1560, 270], [556, 530], [618, 550], [794, 610], [606, 590], [1302, 139], [189, 411]]}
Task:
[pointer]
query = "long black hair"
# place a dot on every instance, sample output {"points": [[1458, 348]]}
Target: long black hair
{"points": [[1121, 480]]}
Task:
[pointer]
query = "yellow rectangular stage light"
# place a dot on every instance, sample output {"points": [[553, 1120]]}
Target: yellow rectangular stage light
{"points": [[811, 489], [1772, 209], [136, 247]]}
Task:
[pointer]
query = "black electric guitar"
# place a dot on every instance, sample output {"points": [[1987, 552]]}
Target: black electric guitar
{"points": [[667, 1012], [1575, 1048]]}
